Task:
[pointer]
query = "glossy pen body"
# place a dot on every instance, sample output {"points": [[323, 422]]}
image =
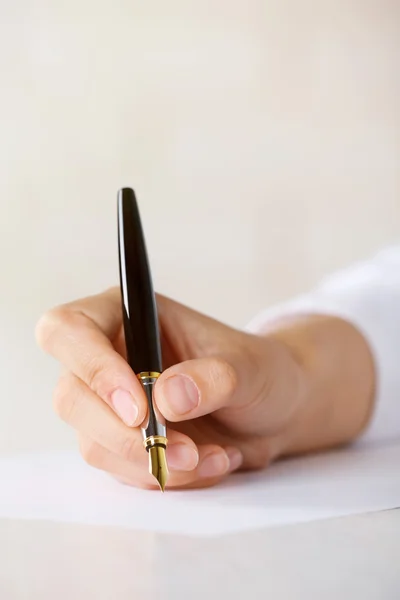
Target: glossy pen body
{"points": [[141, 325]]}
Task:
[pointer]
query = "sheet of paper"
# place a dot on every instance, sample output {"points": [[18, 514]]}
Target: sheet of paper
{"points": [[60, 487]]}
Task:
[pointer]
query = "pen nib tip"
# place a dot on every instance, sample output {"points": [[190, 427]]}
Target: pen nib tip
{"points": [[158, 465]]}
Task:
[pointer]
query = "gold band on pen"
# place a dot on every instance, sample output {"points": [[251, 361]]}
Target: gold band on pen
{"points": [[155, 440], [148, 375], [152, 441]]}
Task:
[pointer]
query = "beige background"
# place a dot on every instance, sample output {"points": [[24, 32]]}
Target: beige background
{"points": [[262, 139]]}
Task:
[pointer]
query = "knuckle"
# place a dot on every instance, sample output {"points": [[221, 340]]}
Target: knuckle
{"points": [[128, 449], [64, 400], [224, 377], [49, 325], [99, 375], [91, 453], [94, 370]]}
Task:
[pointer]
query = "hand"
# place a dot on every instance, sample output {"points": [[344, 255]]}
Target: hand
{"points": [[232, 400]]}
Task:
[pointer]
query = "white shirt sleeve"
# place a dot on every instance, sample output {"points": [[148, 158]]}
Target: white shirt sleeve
{"points": [[366, 294]]}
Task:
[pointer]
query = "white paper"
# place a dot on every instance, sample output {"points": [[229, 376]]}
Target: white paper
{"points": [[62, 488]]}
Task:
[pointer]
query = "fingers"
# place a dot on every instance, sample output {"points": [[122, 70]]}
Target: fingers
{"points": [[214, 464], [243, 387], [79, 336], [108, 444], [79, 406], [196, 388]]}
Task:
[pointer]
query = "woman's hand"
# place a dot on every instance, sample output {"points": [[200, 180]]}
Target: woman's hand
{"points": [[232, 400]]}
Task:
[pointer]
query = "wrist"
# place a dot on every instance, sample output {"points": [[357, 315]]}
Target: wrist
{"points": [[338, 367]]}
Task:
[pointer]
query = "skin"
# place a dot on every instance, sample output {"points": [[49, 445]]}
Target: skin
{"points": [[232, 400]]}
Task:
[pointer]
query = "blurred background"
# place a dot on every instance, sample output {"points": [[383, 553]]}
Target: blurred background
{"points": [[262, 138]]}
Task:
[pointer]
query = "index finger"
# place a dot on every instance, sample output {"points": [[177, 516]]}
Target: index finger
{"points": [[79, 335]]}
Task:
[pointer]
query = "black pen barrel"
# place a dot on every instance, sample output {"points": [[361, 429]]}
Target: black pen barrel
{"points": [[138, 299]]}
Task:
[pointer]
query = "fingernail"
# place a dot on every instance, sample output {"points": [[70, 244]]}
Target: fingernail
{"points": [[235, 458], [181, 394], [214, 465], [125, 406], [181, 457]]}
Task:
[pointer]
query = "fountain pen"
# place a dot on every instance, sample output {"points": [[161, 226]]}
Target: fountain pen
{"points": [[140, 319]]}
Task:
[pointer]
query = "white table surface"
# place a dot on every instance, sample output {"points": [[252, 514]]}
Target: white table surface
{"points": [[338, 559]]}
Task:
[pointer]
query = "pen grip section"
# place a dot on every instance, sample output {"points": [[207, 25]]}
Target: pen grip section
{"points": [[154, 429]]}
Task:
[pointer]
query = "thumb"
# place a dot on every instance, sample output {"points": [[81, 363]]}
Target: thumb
{"points": [[202, 386], [256, 387]]}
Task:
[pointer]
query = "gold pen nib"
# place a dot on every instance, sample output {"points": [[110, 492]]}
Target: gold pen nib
{"points": [[158, 465]]}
